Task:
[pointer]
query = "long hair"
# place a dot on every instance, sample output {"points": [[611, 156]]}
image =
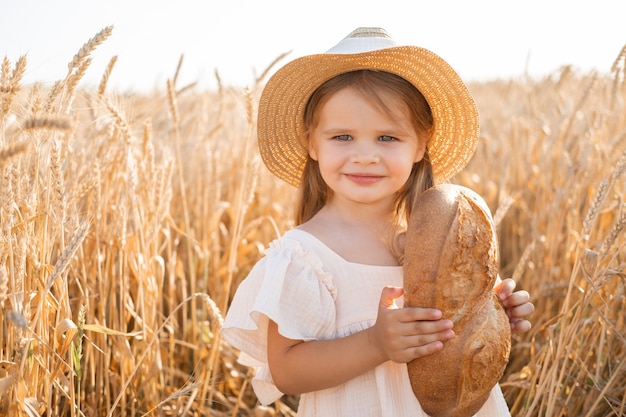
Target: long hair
{"points": [[314, 193]]}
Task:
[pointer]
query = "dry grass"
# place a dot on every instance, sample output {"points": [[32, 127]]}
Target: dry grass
{"points": [[127, 222]]}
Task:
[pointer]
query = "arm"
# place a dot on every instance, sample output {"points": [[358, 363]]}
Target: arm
{"points": [[517, 305], [399, 334]]}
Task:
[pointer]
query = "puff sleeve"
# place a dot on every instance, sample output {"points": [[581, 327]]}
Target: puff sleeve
{"points": [[290, 287]]}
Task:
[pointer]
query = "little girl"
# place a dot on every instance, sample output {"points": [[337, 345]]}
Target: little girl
{"points": [[362, 130]]}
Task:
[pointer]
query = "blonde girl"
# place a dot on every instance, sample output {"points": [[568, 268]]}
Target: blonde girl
{"points": [[362, 130]]}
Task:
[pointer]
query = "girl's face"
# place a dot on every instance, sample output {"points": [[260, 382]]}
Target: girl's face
{"points": [[364, 156]]}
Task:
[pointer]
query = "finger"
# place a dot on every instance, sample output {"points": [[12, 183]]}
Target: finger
{"points": [[427, 344], [517, 299], [419, 314], [505, 288], [521, 311], [429, 327], [389, 295], [414, 352], [520, 326], [426, 338]]}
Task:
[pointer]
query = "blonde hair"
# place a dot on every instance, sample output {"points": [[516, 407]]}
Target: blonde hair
{"points": [[314, 193]]}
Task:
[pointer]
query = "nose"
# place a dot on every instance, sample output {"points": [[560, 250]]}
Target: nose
{"points": [[365, 152]]}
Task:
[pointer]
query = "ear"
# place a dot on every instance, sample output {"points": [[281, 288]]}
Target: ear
{"points": [[421, 148], [312, 150], [420, 151]]}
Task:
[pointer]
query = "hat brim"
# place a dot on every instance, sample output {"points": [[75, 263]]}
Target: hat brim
{"points": [[281, 135]]}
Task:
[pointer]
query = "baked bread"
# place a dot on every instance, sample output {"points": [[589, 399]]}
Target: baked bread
{"points": [[451, 263]]}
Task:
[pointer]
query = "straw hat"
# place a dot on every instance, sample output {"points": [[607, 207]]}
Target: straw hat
{"points": [[281, 136]]}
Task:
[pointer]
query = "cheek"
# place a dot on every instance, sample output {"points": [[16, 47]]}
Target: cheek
{"points": [[404, 165]]}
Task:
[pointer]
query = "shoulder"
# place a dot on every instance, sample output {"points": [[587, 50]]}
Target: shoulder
{"points": [[296, 254], [298, 241], [298, 249]]}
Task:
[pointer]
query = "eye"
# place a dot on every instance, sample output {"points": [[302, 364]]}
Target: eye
{"points": [[343, 138], [386, 138]]}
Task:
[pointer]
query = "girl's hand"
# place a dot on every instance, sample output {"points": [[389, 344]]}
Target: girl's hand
{"points": [[403, 334], [517, 305]]}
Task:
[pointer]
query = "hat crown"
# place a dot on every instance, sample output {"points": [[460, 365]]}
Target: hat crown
{"points": [[282, 135], [363, 39]]}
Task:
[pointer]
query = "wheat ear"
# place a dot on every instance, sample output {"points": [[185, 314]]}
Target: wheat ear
{"points": [[87, 48], [11, 151], [48, 122], [10, 82], [68, 254], [105, 77]]}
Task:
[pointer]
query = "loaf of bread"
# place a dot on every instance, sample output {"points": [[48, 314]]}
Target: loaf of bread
{"points": [[451, 263]]}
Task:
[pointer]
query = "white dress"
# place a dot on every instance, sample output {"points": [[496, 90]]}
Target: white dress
{"points": [[313, 293]]}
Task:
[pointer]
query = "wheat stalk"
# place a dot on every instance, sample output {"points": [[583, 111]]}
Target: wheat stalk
{"points": [[6, 201], [87, 48], [177, 72], [84, 188], [72, 80], [152, 340], [56, 178], [618, 68], [68, 254], [4, 283], [105, 77], [36, 101], [9, 152], [10, 79], [5, 76], [121, 123], [271, 65], [620, 166], [77, 68], [173, 103], [614, 233], [48, 123], [594, 209], [502, 209], [56, 89], [10, 82]]}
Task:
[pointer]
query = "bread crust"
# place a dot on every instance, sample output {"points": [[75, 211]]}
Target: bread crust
{"points": [[451, 263]]}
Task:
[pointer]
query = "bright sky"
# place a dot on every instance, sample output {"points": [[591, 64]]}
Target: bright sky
{"points": [[481, 39]]}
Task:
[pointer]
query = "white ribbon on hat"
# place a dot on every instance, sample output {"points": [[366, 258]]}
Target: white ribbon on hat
{"points": [[361, 40]]}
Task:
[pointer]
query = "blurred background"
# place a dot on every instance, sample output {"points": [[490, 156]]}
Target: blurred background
{"points": [[481, 39]]}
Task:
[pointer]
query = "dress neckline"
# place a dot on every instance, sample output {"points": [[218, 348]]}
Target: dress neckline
{"points": [[319, 242]]}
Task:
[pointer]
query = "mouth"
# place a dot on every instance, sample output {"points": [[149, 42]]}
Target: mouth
{"points": [[364, 179]]}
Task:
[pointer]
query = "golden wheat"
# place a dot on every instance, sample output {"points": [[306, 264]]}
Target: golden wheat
{"points": [[11, 151], [127, 222], [10, 82], [105, 77], [47, 122]]}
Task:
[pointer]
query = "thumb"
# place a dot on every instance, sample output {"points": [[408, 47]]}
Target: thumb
{"points": [[389, 295]]}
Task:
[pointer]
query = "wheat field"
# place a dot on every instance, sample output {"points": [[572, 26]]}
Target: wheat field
{"points": [[127, 222]]}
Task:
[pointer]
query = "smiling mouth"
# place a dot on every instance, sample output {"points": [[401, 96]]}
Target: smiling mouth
{"points": [[363, 178]]}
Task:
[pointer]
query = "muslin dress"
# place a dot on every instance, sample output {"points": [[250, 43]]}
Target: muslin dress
{"points": [[313, 293]]}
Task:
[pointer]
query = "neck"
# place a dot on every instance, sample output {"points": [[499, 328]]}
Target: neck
{"points": [[358, 235], [373, 217]]}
